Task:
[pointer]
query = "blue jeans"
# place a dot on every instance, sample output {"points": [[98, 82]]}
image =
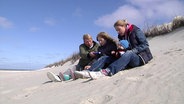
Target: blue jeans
{"points": [[100, 63], [128, 59]]}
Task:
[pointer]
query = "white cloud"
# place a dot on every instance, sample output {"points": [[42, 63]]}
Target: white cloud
{"points": [[141, 11], [120, 13], [5, 23], [34, 29], [50, 21]]}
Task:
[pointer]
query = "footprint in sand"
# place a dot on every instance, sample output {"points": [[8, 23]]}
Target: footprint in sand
{"points": [[98, 100], [25, 93], [141, 76], [107, 99], [172, 51], [133, 78], [88, 101]]}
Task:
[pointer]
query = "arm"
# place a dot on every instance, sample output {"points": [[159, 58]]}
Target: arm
{"points": [[87, 53], [108, 48], [83, 51], [142, 42]]}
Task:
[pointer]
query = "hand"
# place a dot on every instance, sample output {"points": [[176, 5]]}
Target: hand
{"points": [[87, 67], [92, 54], [113, 52], [120, 47]]}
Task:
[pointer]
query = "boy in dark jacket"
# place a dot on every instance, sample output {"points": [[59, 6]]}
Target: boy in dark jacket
{"points": [[122, 47]]}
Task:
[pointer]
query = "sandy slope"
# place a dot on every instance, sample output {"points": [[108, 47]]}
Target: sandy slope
{"points": [[159, 82]]}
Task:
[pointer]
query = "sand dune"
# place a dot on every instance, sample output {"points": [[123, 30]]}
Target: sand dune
{"points": [[161, 81]]}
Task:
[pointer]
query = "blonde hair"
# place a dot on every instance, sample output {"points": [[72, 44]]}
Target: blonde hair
{"points": [[106, 36], [121, 23], [87, 36]]}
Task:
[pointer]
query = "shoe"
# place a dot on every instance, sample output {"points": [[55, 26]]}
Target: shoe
{"points": [[66, 77], [96, 75], [72, 74], [61, 76], [53, 77], [81, 74], [105, 71]]}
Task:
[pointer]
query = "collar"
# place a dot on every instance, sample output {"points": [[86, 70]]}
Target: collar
{"points": [[91, 46]]}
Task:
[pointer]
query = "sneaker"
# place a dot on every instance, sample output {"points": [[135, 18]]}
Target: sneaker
{"points": [[105, 71], [61, 76], [64, 77], [96, 75], [53, 77], [81, 74], [72, 74]]}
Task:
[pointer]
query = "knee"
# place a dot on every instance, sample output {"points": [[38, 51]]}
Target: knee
{"points": [[103, 58]]}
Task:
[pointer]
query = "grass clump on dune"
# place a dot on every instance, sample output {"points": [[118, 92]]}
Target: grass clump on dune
{"points": [[177, 22]]}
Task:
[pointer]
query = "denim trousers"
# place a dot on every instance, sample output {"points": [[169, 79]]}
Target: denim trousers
{"points": [[128, 59], [100, 63]]}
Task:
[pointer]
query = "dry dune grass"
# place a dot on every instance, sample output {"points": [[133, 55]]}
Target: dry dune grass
{"points": [[73, 58], [177, 22]]}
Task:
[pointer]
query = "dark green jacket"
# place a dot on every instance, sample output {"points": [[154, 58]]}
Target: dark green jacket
{"points": [[84, 54]]}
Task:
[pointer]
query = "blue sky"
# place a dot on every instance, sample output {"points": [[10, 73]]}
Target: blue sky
{"points": [[35, 33]]}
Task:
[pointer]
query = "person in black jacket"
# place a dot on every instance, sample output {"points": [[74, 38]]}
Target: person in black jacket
{"points": [[137, 54], [107, 45]]}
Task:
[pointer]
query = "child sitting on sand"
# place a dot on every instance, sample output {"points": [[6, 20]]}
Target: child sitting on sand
{"points": [[122, 47]]}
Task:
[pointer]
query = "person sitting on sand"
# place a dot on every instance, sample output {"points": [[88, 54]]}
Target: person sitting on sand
{"points": [[137, 54], [87, 53], [105, 60], [122, 48], [109, 52]]}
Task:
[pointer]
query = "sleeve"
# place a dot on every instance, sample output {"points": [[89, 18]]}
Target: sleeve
{"points": [[142, 42], [83, 52], [106, 50]]}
